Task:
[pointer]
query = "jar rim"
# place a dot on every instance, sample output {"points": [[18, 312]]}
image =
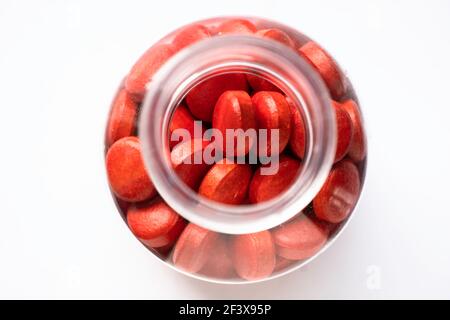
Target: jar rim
{"points": [[233, 53]]}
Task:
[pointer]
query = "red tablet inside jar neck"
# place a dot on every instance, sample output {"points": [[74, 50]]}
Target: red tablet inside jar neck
{"points": [[238, 64], [229, 139]]}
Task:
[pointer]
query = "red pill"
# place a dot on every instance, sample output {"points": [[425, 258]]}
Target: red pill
{"points": [[266, 187], [219, 264], [326, 66], [188, 163], [282, 264], [234, 110], [300, 238], [203, 97], [157, 225], [190, 35], [297, 140], [277, 35], [253, 255], [272, 112], [182, 119], [357, 150], [226, 182], [126, 172], [260, 84], [144, 69], [339, 194], [194, 248], [122, 118], [344, 131], [236, 26]]}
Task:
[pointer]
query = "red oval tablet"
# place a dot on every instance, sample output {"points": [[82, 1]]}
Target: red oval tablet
{"points": [[182, 119], [272, 113], [277, 35], [326, 66], [260, 84], [297, 140], [122, 118], [194, 247], [144, 69], [357, 150], [156, 224], [226, 182], [203, 97], [234, 110], [126, 172], [300, 238], [344, 131], [253, 255], [339, 194], [266, 187], [189, 35], [236, 26], [219, 264], [188, 163]]}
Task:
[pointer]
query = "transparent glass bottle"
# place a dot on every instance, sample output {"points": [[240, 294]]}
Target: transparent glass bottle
{"points": [[251, 241]]}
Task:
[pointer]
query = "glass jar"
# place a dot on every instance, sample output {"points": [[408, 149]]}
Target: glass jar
{"points": [[236, 225]]}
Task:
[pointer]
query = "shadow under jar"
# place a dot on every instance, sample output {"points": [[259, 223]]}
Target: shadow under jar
{"points": [[235, 149]]}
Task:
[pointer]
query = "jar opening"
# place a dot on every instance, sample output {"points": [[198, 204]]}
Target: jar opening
{"points": [[237, 55]]}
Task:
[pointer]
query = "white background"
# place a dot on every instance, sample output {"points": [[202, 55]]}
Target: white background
{"points": [[60, 235]]}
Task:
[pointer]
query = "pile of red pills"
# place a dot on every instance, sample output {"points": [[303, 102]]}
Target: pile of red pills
{"points": [[235, 101]]}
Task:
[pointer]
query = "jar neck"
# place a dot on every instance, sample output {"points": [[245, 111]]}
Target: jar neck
{"points": [[230, 54]]}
